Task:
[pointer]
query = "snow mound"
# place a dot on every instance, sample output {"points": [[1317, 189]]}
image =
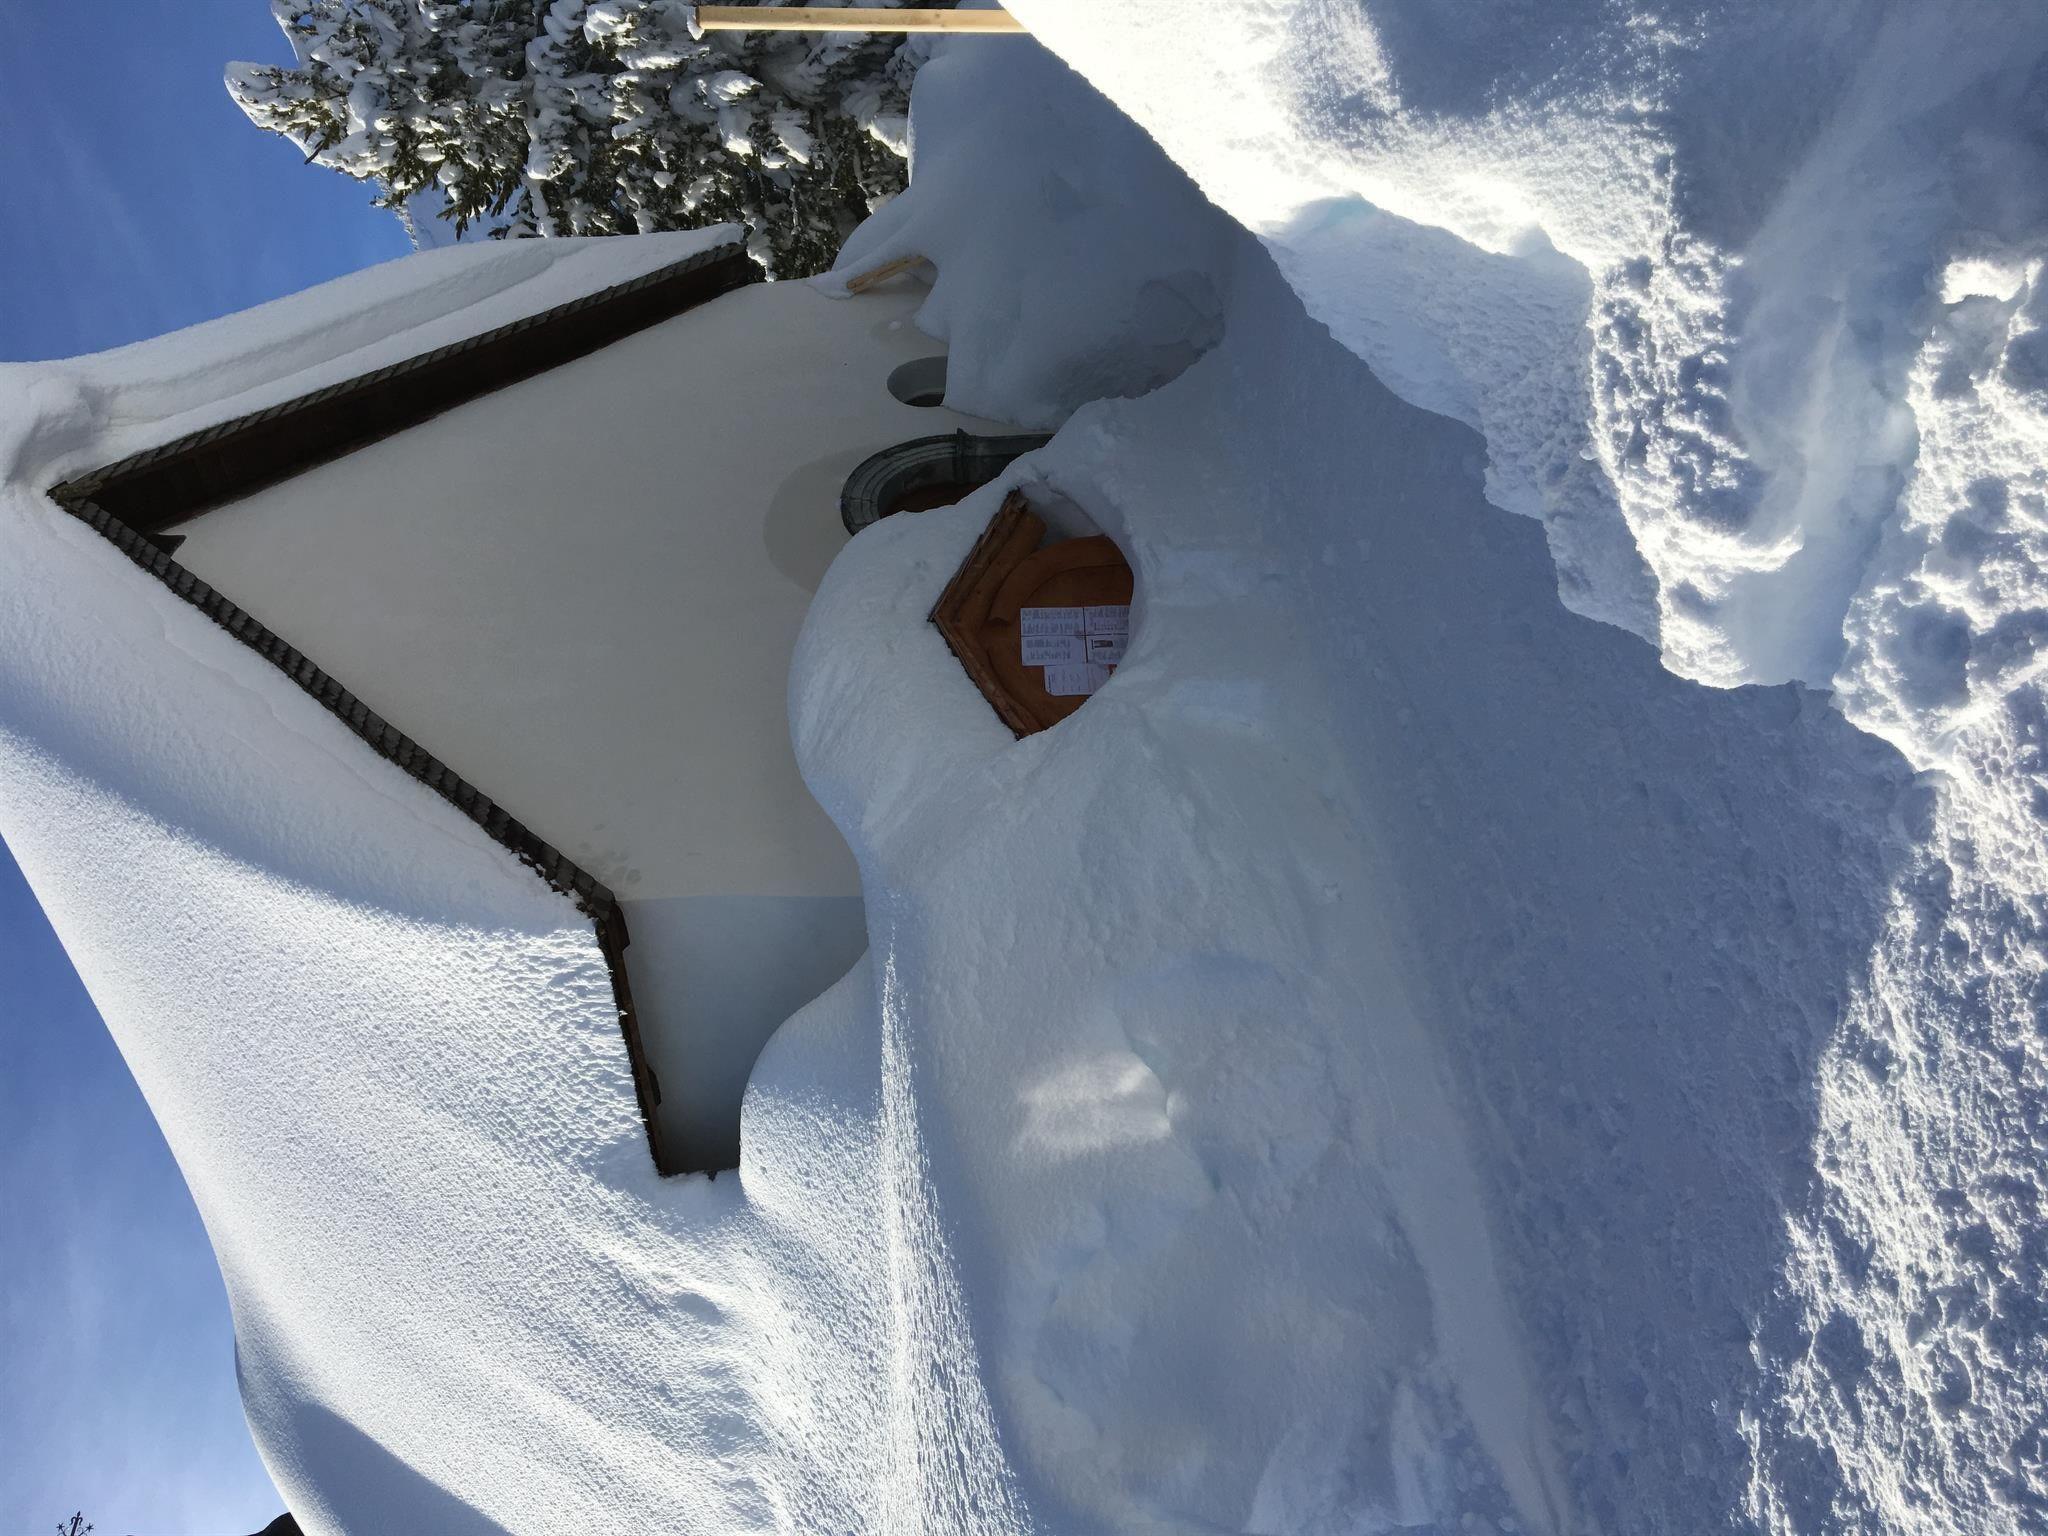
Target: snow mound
{"points": [[1717, 284], [1659, 1066], [1106, 247]]}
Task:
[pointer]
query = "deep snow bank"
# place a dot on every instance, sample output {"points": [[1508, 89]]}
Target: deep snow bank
{"points": [[1720, 285], [1739, 1017]]}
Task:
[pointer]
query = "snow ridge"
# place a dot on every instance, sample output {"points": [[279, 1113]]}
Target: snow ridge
{"points": [[1678, 265]]}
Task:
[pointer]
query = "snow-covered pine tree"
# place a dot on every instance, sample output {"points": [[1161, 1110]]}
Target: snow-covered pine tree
{"points": [[545, 117]]}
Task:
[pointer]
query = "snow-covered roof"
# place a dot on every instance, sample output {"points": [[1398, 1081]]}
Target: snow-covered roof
{"points": [[136, 397], [170, 481]]}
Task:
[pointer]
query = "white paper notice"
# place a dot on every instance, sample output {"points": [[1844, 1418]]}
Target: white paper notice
{"points": [[1075, 678], [1110, 619], [1051, 650], [1076, 646], [1106, 650], [1034, 623]]}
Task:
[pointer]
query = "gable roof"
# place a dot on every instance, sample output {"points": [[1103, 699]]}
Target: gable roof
{"points": [[132, 501]]}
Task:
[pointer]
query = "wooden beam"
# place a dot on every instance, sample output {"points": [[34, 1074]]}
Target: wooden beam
{"points": [[862, 282], [850, 18]]}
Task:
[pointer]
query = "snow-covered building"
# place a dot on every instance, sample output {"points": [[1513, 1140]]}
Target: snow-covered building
{"points": [[1405, 1056], [552, 567]]}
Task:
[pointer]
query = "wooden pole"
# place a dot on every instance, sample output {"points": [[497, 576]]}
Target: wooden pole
{"points": [[850, 18]]}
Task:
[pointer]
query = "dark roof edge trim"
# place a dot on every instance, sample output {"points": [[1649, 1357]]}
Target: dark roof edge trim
{"points": [[589, 893], [165, 485]]}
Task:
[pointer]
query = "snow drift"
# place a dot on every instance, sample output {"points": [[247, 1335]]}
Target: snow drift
{"points": [[1745, 1012], [1717, 284]]}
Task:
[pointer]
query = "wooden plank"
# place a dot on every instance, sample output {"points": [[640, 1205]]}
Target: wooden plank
{"points": [[962, 609], [852, 18], [1075, 573], [861, 282], [1006, 572]]}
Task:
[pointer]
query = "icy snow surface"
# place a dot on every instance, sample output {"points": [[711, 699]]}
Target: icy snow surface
{"points": [[1399, 1058]]}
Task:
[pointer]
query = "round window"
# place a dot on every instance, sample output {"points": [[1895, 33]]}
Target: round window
{"points": [[922, 382]]}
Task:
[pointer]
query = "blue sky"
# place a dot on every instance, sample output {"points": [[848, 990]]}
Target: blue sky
{"points": [[138, 201], [138, 198], [118, 1393]]}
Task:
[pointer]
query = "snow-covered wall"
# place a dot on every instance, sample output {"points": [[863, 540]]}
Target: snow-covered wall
{"points": [[580, 592]]}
